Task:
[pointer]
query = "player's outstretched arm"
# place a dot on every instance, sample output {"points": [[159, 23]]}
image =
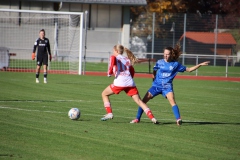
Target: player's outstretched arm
{"points": [[197, 66]]}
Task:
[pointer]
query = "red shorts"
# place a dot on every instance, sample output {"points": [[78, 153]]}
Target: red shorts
{"points": [[130, 91]]}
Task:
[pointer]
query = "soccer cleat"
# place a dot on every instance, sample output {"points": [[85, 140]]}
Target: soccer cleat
{"points": [[179, 122], [155, 121], [45, 81], [37, 81], [107, 116], [135, 121]]}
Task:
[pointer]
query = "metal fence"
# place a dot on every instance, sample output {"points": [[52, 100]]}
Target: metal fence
{"points": [[226, 66], [208, 34], [231, 67]]}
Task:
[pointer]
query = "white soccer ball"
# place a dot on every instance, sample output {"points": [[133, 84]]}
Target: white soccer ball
{"points": [[74, 113]]}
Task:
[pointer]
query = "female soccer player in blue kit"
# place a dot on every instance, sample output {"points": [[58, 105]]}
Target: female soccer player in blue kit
{"points": [[164, 72]]}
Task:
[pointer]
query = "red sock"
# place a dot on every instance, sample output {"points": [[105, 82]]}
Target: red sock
{"points": [[149, 113], [108, 107]]}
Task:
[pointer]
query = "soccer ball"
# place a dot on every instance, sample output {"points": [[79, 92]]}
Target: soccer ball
{"points": [[74, 113]]}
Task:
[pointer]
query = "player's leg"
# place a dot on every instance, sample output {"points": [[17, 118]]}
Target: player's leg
{"points": [[45, 65], [37, 73], [45, 73], [175, 109], [151, 93], [145, 99], [145, 108], [106, 101], [39, 64], [133, 92]]}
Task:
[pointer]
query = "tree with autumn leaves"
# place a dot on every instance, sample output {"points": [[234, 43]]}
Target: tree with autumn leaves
{"points": [[193, 6]]}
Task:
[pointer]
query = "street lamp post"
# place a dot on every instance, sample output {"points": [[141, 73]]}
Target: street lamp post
{"points": [[173, 30]]}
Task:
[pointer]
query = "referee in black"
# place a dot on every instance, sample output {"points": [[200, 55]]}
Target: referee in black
{"points": [[42, 45]]}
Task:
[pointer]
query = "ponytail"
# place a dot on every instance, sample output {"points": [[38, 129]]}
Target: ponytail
{"points": [[177, 51], [131, 56]]}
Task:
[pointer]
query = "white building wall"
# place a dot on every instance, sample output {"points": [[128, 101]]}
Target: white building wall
{"points": [[106, 26]]}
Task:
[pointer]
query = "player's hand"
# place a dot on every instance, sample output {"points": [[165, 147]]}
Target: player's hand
{"points": [[50, 57], [204, 63], [33, 56]]}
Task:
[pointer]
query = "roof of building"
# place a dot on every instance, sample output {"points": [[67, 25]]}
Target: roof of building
{"points": [[209, 37], [117, 2]]}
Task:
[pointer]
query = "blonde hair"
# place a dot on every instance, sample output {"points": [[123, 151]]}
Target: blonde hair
{"points": [[130, 55], [175, 52]]}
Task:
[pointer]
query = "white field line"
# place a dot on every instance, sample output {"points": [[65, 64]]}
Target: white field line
{"points": [[159, 102], [93, 115], [28, 110], [134, 107], [97, 115]]}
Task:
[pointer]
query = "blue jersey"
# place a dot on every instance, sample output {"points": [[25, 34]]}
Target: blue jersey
{"points": [[166, 71]]}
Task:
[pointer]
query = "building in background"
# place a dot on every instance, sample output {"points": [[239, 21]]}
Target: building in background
{"points": [[205, 41], [108, 21]]}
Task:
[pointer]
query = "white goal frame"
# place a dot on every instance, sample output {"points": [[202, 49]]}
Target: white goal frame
{"points": [[81, 14]]}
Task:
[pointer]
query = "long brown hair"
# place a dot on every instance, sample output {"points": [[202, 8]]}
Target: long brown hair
{"points": [[130, 55], [175, 52]]}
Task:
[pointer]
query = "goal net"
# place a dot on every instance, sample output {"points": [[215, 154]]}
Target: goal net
{"points": [[20, 29]]}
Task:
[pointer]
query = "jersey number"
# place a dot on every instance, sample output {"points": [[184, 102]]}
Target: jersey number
{"points": [[122, 67]]}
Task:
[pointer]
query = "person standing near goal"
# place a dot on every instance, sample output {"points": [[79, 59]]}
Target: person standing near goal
{"points": [[42, 45], [164, 72], [123, 71]]}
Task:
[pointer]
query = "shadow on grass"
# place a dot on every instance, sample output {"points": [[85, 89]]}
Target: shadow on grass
{"points": [[201, 123], [186, 123], [82, 120], [210, 123], [10, 155]]}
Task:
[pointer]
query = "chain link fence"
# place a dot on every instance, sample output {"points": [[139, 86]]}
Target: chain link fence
{"points": [[212, 35]]}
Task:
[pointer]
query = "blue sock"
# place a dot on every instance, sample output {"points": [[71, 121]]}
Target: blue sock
{"points": [[176, 111], [139, 113]]}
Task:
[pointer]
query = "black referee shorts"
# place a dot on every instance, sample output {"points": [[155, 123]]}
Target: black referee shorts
{"points": [[42, 59]]}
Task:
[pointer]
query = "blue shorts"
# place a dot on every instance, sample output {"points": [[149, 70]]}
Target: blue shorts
{"points": [[164, 90]]}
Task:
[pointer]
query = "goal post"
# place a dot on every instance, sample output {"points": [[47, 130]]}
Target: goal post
{"points": [[20, 29]]}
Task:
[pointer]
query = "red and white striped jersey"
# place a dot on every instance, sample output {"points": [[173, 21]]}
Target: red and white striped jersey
{"points": [[123, 71]]}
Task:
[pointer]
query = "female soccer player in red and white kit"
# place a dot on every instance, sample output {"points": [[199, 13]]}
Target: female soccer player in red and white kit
{"points": [[123, 71]]}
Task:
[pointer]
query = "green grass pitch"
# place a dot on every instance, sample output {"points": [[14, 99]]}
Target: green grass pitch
{"points": [[34, 122]]}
